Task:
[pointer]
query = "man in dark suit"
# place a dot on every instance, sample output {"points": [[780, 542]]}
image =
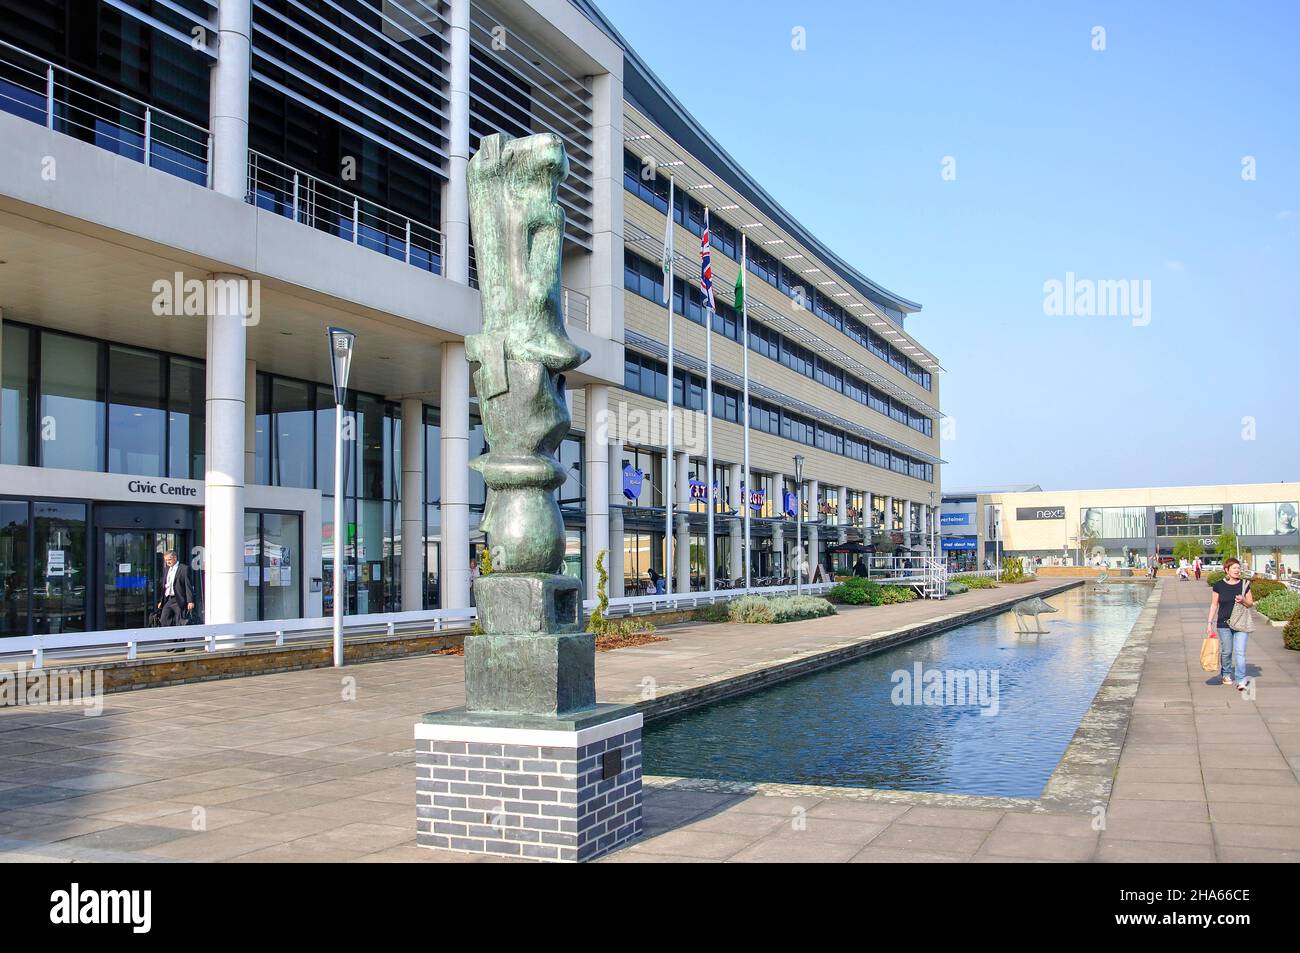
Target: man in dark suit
{"points": [[175, 593]]}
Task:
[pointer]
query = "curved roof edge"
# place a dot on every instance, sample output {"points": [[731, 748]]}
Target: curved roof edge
{"points": [[649, 94]]}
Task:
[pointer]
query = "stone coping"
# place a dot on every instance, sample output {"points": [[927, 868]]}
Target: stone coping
{"points": [[1082, 780], [574, 731]]}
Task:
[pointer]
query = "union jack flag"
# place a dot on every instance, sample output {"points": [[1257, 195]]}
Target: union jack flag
{"points": [[706, 265]]}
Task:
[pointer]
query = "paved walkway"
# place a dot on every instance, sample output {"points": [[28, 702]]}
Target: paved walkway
{"points": [[318, 765]]}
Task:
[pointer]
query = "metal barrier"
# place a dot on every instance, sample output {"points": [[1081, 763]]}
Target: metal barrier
{"points": [[282, 189], [131, 644], [65, 101]]}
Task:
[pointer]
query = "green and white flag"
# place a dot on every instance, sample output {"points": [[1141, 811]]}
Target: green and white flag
{"points": [[667, 262], [740, 278]]}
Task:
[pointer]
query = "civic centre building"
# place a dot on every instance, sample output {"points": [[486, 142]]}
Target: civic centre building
{"points": [[1122, 527], [191, 192]]}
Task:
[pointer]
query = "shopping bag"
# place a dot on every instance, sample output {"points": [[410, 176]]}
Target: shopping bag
{"points": [[1210, 654]]}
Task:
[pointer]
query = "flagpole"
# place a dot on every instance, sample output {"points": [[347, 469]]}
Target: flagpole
{"points": [[744, 420], [668, 454], [708, 426]]}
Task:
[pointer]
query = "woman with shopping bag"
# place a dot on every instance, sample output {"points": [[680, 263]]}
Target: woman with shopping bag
{"points": [[1230, 622]]}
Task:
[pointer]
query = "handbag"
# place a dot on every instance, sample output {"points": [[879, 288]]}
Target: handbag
{"points": [[1242, 619], [1210, 654]]}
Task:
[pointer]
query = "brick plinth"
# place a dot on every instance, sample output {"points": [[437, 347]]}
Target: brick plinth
{"points": [[527, 792]]}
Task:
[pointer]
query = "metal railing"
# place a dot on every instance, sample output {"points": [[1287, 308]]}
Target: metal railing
{"points": [[65, 101], [927, 574], [577, 309], [282, 189], [130, 644]]}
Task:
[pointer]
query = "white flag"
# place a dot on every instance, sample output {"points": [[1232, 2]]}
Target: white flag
{"points": [[667, 262]]}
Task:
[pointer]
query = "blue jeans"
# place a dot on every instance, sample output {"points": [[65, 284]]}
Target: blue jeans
{"points": [[1232, 648]]}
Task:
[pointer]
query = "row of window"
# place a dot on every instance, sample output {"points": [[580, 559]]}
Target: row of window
{"points": [[725, 238], [646, 280], [649, 377]]}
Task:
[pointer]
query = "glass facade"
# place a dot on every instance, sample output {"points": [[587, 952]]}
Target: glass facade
{"points": [[1115, 522], [1265, 519], [1197, 520]]}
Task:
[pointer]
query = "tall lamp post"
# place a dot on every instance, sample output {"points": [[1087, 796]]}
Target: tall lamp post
{"points": [[341, 344], [798, 523]]}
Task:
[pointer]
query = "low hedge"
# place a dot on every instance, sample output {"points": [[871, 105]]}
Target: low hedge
{"points": [[975, 582], [956, 588], [1291, 633], [1279, 606], [857, 591], [764, 610], [1260, 587], [893, 594]]}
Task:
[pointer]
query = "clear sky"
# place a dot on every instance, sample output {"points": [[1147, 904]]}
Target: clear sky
{"points": [[1117, 164]]}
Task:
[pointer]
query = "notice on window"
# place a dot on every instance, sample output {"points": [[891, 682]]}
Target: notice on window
{"points": [[124, 569], [54, 563], [252, 576]]}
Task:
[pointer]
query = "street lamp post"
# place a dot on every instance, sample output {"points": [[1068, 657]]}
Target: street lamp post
{"points": [[341, 344], [798, 523]]}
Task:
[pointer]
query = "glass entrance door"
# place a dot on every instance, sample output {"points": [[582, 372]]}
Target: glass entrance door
{"points": [[131, 566]]}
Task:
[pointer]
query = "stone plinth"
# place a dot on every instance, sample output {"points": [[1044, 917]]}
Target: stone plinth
{"points": [[557, 789]]}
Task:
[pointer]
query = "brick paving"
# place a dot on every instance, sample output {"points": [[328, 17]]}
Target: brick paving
{"points": [[318, 765]]}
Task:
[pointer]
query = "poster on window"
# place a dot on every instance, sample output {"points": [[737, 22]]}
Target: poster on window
{"points": [[1113, 522], [1264, 519]]}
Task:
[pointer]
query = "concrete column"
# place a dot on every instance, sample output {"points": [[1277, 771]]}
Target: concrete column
{"points": [[250, 422], [736, 567], [454, 576], [614, 564], [228, 99], [811, 533], [889, 514], [779, 566], [455, 194], [606, 259], [683, 492], [597, 483], [412, 504], [223, 510], [842, 516]]}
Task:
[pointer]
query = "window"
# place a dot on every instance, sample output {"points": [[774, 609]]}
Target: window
{"points": [[653, 190], [763, 265], [15, 396], [293, 447], [72, 400], [137, 437], [1263, 519], [643, 277], [186, 418], [765, 341]]}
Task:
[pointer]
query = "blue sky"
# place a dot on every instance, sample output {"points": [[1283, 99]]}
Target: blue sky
{"points": [[1119, 164]]}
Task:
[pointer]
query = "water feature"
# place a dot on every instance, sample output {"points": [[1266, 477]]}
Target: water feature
{"points": [[980, 709]]}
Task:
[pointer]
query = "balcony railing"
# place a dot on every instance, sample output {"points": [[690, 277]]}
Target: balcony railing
{"points": [[65, 101], [279, 188]]}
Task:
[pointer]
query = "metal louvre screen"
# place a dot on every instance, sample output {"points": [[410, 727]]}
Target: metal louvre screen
{"points": [[377, 68], [518, 88]]}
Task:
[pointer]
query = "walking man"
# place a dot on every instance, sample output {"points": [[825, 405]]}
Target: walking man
{"points": [[176, 600]]}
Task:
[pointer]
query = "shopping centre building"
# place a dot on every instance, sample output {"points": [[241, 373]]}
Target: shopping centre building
{"points": [[191, 192], [1122, 527]]}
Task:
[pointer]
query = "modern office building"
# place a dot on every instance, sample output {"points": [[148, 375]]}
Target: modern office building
{"points": [[1128, 527], [192, 191]]}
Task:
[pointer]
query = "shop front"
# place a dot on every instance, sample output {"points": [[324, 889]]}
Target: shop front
{"points": [[83, 552]]}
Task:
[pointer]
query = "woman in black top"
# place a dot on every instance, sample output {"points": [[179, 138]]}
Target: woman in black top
{"points": [[1228, 592]]}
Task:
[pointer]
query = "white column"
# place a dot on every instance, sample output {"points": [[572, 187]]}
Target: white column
{"points": [[606, 259], [813, 533], [455, 194], [228, 99], [614, 563], [454, 577], [779, 567], [412, 504], [250, 422], [597, 484], [842, 516], [736, 568], [223, 510], [683, 491]]}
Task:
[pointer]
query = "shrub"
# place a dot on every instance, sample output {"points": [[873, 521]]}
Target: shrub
{"points": [[895, 594], [1263, 588], [1212, 577], [598, 622], [1013, 569], [714, 613], [764, 610], [975, 582], [856, 592], [1291, 633], [956, 588], [1280, 605]]}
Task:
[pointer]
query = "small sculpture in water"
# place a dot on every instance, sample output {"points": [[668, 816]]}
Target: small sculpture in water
{"points": [[1031, 607]]}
